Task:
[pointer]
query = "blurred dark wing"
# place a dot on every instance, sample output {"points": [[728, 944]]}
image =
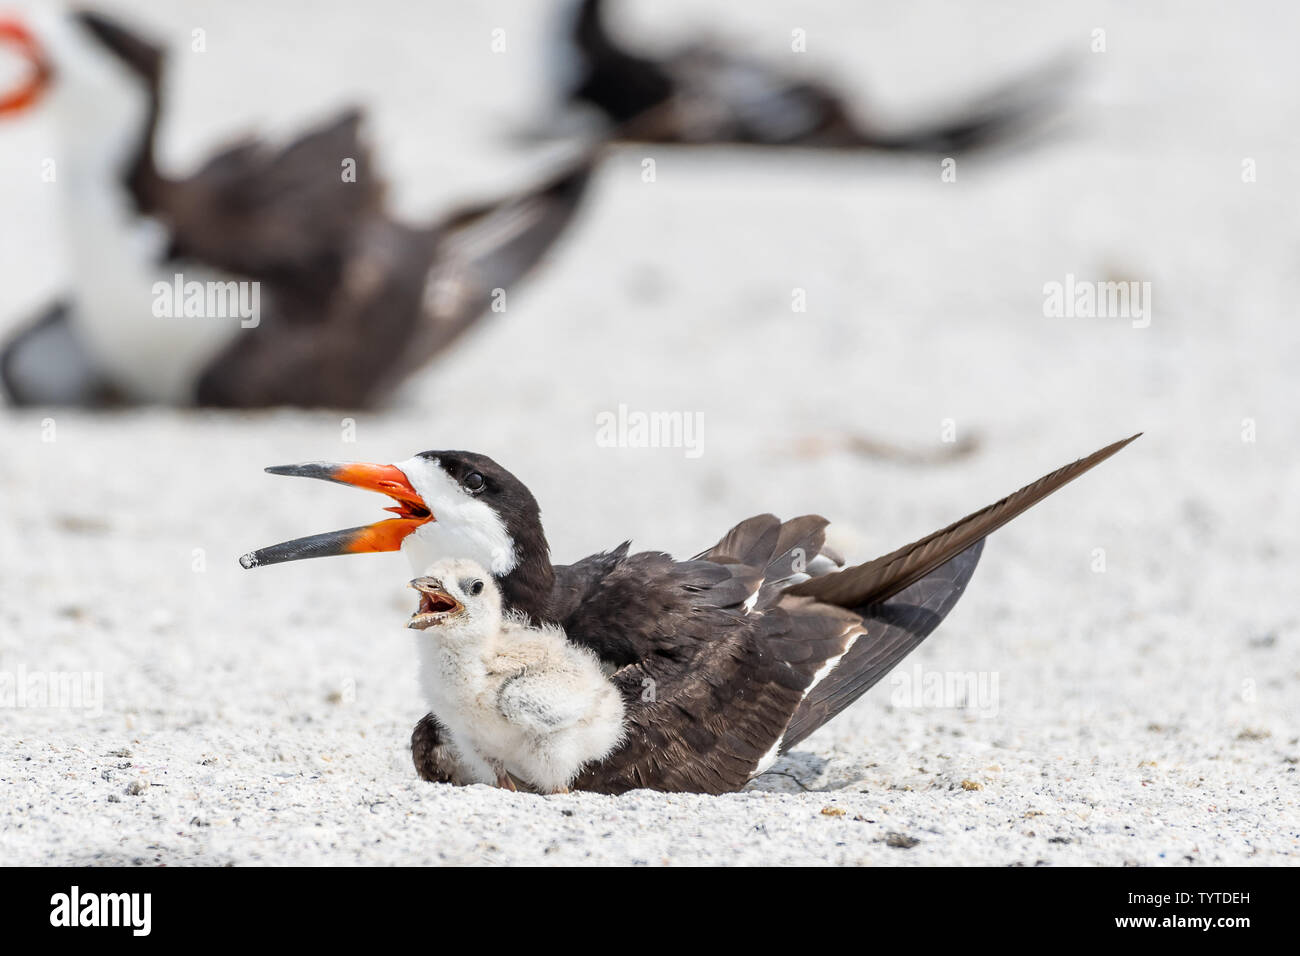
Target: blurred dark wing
{"points": [[287, 215], [996, 116], [353, 350], [396, 298], [707, 94], [140, 55], [483, 251], [721, 97]]}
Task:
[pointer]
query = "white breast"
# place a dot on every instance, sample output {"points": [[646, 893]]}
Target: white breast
{"points": [[100, 109]]}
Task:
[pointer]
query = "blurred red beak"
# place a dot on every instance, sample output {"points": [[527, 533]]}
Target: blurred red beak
{"points": [[14, 34], [385, 535]]}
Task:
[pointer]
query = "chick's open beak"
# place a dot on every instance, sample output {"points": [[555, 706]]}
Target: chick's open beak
{"points": [[436, 605], [386, 535]]}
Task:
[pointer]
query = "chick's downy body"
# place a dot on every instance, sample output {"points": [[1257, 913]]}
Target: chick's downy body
{"points": [[515, 699]]}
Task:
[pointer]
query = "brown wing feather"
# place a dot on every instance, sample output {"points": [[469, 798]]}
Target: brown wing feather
{"points": [[713, 662], [490, 247], [703, 725], [396, 298], [650, 595], [285, 214], [893, 630], [884, 577], [351, 354], [704, 94], [781, 549], [254, 210]]}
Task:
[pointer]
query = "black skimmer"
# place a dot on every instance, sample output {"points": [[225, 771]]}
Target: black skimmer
{"points": [[703, 95], [725, 661], [270, 276], [518, 700]]}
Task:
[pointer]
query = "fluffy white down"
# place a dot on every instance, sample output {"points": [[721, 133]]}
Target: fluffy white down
{"points": [[516, 697]]}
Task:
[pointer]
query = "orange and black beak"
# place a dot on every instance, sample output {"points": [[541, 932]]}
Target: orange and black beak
{"points": [[385, 535], [14, 34]]}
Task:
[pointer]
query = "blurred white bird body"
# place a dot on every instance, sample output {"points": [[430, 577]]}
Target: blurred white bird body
{"points": [[117, 253]]}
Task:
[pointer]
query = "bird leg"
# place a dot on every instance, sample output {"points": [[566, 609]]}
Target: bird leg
{"points": [[504, 780]]}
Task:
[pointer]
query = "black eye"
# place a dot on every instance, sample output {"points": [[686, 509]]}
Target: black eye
{"points": [[474, 483], [476, 588]]}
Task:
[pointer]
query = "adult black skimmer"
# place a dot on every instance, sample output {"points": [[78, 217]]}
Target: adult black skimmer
{"points": [[724, 661], [706, 95], [347, 300]]}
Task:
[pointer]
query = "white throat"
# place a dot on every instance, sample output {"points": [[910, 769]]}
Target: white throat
{"points": [[463, 527]]}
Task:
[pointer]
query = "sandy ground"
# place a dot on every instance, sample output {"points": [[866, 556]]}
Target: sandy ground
{"points": [[1142, 626]]}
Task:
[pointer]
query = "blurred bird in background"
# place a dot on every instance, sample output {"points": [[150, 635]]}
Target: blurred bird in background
{"points": [[705, 94], [276, 275], [347, 300]]}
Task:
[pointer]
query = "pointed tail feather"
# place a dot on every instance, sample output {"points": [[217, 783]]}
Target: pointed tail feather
{"points": [[878, 580], [904, 596]]}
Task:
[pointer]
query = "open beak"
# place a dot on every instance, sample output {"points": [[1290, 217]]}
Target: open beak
{"points": [[385, 535], [14, 34], [436, 605]]}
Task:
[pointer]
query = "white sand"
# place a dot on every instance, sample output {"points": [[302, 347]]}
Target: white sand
{"points": [[1147, 714]]}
